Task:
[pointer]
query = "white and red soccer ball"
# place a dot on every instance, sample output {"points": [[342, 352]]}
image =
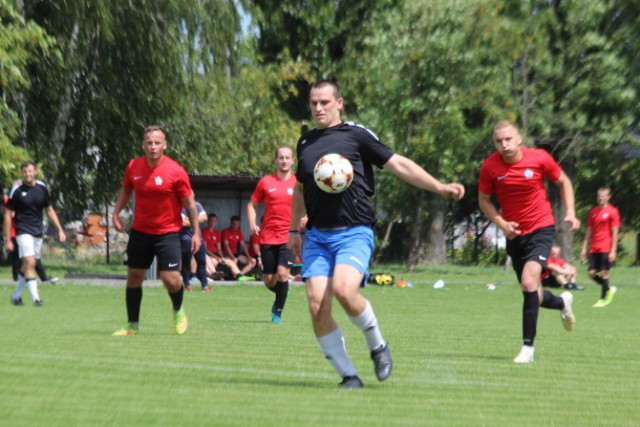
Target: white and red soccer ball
{"points": [[333, 173]]}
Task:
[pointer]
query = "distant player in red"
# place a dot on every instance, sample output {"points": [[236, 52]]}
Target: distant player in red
{"points": [[601, 238], [516, 175], [162, 189], [276, 192], [235, 249]]}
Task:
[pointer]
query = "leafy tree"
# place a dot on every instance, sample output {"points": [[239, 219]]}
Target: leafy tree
{"points": [[21, 43], [438, 110], [125, 65]]}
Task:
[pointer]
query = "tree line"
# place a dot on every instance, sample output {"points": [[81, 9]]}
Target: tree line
{"points": [[80, 79]]}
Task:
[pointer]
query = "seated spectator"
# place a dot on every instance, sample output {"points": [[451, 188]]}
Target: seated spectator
{"points": [[235, 249], [217, 266], [559, 273]]}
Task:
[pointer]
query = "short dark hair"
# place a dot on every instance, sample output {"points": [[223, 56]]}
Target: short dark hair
{"points": [[337, 92], [235, 218], [212, 215], [28, 163]]}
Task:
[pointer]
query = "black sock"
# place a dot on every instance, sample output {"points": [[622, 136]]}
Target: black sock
{"points": [[550, 300], [134, 299], [605, 288], [273, 289], [599, 280], [530, 309], [176, 298], [282, 289]]}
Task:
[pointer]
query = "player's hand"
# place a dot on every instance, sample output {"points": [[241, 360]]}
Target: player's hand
{"points": [[612, 257], [117, 223], [294, 244], [511, 230], [8, 245], [453, 191], [255, 230], [195, 243], [62, 236], [574, 223]]}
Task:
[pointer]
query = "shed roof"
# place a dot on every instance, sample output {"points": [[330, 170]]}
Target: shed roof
{"points": [[227, 182]]}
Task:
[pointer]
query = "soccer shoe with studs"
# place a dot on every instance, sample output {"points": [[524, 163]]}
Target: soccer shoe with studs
{"points": [[126, 331], [600, 303], [180, 321], [382, 363], [525, 356], [567, 316], [609, 298], [351, 382]]}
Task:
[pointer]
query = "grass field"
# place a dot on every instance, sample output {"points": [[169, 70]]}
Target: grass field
{"points": [[452, 349]]}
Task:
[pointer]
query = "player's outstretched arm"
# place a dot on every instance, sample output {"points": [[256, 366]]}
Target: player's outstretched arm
{"points": [[121, 202], [568, 198], [410, 172]]}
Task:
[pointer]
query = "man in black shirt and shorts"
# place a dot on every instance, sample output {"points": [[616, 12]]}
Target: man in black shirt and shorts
{"points": [[339, 238], [28, 200]]}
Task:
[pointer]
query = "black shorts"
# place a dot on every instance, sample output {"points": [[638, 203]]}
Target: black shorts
{"points": [[274, 256], [599, 261], [550, 282], [142, 247], [535, 246]]}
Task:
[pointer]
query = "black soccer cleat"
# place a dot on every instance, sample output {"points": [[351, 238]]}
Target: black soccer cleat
{"points": [[382, 362], [38, 303], [351, 382], [16, 301]]}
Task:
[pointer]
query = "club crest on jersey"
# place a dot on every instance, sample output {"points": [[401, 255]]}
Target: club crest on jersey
{"points": [[158, 180], [528, 174], [290, 191]]}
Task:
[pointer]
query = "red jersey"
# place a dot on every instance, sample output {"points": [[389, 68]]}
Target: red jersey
{"points": [[277, 196], [520, 187], [602, 221], [211, 239], [551, 261], [12, 231], [158, 194], [254, 240], [234, 238]]}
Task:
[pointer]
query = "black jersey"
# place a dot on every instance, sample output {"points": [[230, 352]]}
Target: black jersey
{"points": [[28, 203], [363, 149]]}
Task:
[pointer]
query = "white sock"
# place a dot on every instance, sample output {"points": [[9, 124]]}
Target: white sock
{"points": [[17, 293], [32, 284], [368, 324], [333, 347]]}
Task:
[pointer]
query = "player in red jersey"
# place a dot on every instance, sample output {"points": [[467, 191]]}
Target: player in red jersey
{"points": [[276, 192], [162, 189], [235, 249], [601, 238], [516, 175]]}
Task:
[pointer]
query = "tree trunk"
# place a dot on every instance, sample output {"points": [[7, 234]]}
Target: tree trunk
{"points": [[564, 237], [436, 250], [416, 251]]}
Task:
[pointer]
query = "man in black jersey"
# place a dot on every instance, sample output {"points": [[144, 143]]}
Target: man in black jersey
{"points": [[339, 237], [28, 200]]}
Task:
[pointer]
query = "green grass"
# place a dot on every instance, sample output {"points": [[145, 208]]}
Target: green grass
{"points": [[452, 349]]}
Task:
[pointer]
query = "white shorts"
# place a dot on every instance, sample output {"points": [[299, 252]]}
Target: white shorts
{"points": [[29, 245]]}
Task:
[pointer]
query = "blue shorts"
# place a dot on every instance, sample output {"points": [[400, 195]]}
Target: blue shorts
{"points": [[324, 249]]}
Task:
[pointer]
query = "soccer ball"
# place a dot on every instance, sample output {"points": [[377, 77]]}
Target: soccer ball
{"points": [[333, 173]]}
